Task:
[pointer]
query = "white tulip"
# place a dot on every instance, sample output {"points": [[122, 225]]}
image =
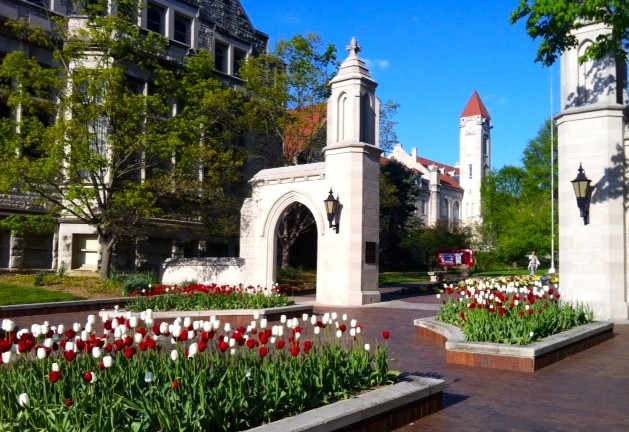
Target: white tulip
{"points": [[207, 326], [85, 335], [193, 349], [256, 315], [304, 317], [216, 324], [36, 330], [367, 347], [313, 319], [344, 317], [69, 346], [55, 367], [48, 342], [297, 336], [76, 327], [353, 323], [6, 357], [108, 361], [232, 351], [118, 332], [232, 343], [263, 323], [114, 323], [187, 321], [283, 319], [89, 328], [96, 352], [317, 330], [60, 329], [41, 353], [174, 355], [163, 327], [339, 333], [358, 330], [149, 322], [228, 327], [137, 338], [91, 319], [176, 330], [8, 325], [196, 325], [133, 322], [148, 313], [254, 324], [352, 332], [24, 400], [280, 331], [105, 317], [191, 334]]}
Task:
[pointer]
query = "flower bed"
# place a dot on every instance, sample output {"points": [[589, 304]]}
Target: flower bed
{"points": [[510, 310], [138, 374], [206, 297]]}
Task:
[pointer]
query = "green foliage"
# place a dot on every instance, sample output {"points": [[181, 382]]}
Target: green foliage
{"points": [[88, 164], [200, 301], [398, 196], [290, 272], [422, 243], [132, 282], [553, 21], [517, 205], [38, 279], [30, 224], [388, 135]]}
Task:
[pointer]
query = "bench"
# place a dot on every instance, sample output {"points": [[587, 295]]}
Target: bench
{"points": [[437, 276]]}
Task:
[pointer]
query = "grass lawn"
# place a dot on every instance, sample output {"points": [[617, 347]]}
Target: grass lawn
{"points": [[50, 287], [14, 295]]}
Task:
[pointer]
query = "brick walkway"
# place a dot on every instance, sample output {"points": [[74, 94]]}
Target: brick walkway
{"points": [[586, 392]]}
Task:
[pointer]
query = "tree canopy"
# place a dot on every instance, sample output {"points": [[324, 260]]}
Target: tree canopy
{"points": [[91, 143], [516, 203], [553, 21]]}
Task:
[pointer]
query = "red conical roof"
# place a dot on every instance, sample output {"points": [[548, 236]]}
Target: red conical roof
{"points": [[475, 107]]}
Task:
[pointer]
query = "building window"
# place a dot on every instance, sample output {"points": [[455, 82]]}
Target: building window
{"points": [[422, 207], [239, 58], [155, 19], [470, 170], [182, 26], [220, 57]]}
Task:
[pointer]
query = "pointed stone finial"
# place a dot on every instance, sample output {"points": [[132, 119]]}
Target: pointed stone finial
{"points": [[354, 48]]}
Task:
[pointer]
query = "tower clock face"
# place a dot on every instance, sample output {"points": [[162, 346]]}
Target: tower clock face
{"points": [[470, 127]]}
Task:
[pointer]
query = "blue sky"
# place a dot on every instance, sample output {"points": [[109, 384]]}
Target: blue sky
{"points": [[430, 56]]}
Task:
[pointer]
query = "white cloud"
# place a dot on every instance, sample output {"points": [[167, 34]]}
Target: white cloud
{"points": [[377, 64]]}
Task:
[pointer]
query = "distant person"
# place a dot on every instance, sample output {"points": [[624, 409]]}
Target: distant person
{"points": [[533, 263]]}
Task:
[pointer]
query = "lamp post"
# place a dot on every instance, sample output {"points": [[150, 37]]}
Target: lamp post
{"points": [[331, 206], [583, 192]]}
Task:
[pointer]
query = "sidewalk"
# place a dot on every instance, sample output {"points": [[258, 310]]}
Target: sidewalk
{"points": [[586, 392]]}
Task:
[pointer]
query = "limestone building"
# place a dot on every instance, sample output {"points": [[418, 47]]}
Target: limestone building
{"points": [[219, 26], [451, 194]]}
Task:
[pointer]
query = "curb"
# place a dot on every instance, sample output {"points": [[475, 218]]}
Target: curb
{"points": [[525, 358], [384, 409]]}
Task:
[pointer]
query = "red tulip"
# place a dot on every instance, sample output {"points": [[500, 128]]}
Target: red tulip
{"points": [[176, 384], [88, 376], [263, 352], [223, 346], [55, 376], [69, 403], [307, 346], [342, 327], [386, 334], [294, 351], [280, 344], [69, 355], [129, 352]]}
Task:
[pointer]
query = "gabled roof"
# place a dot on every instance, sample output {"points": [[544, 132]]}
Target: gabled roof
{"points": [[444, 172], [427, 162], [475, 107]]}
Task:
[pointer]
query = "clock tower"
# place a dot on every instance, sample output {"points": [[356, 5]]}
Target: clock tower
{"points": [[475, 156]]}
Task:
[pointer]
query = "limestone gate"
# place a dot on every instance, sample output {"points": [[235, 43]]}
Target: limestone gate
{"points": [[347, 257]]}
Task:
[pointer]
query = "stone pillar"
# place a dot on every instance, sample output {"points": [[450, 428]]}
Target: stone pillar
{"points": [[16, 248], [591, 131], [352, 170]]}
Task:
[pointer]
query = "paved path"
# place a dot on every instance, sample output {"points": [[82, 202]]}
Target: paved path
{"points": [[586, 392]]}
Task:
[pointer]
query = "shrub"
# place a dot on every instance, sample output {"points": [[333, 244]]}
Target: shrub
{"points": [[137, 281]]}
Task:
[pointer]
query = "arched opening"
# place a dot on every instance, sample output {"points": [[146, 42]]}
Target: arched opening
{"points": [[296, 247]]}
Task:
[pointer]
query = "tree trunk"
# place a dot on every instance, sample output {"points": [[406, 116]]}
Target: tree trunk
{"points": [[106, 246]]}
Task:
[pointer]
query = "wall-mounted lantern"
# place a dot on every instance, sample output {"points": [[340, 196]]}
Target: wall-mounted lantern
{"points": [[583, 192], [331, 207]]}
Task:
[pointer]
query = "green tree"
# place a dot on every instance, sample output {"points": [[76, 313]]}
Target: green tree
{"points": [[517, 203], [388, 135], [422, 242], [553, 21], [114, 157], [399, 191]]}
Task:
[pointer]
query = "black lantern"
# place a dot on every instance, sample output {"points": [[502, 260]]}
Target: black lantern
{"points": [[331, 206], [583, 192]]}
